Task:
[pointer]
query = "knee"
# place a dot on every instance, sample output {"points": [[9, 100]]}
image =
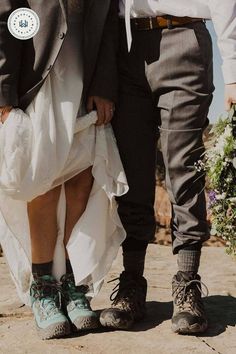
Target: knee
{"points": [[49, 198], [79, 188]]}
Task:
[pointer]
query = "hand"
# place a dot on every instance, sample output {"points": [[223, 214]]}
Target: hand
{"points": [[4, 112], [104, 107], [230, 95]]}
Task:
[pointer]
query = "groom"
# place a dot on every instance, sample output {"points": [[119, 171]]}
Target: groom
{"points": [[166, 83]]}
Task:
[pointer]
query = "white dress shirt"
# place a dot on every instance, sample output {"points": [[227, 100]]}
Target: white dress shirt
{"points": [[222, 13]]}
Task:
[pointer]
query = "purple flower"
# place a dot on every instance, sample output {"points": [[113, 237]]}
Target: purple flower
{"points": [[212, 197]]}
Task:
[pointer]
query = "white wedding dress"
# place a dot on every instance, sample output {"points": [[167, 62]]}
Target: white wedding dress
{"points": [[42, 148]]}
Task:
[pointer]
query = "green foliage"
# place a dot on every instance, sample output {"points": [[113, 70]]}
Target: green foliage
{"points": [[221, 171]]}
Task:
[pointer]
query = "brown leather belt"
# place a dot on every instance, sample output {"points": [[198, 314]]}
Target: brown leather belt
{"points": [[149, 23]]}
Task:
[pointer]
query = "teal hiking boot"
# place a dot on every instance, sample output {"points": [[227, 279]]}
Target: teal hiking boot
{"points": [[77, 305], [46, 305]]}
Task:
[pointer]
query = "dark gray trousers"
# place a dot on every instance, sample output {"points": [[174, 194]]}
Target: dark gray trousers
{"points": [[165, 85]]}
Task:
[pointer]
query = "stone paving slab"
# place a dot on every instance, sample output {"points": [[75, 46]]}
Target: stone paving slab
{"points": [[153, 335]]}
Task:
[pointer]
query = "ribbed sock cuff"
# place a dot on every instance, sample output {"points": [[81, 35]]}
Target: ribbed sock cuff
{"points": [[40, 269], [188, 261], [134, 262]]}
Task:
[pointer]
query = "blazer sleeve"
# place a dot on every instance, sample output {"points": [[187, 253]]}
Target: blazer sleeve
{"points": [[105, 79], [10, 56]]}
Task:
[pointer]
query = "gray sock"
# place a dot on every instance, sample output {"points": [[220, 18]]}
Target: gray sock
{"points": [[188, 260], [133, 262]]}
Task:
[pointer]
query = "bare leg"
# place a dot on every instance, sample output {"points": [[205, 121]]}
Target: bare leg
{"points": [[42, 213], [77, 192]]}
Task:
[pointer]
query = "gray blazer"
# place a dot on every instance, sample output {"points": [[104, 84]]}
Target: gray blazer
{"points": [[24, 65]]}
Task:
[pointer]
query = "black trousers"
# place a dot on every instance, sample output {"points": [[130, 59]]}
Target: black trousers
{"points": [[165, 87]]}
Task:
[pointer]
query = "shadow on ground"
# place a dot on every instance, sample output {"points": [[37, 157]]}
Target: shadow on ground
{"points": [[221, 312], [157, 312]]}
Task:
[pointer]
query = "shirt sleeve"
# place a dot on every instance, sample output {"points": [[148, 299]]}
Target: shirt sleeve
{"points": [[223, 14]]}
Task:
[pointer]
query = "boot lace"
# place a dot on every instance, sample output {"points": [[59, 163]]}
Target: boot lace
{"points": [[126, 294], [73, 292], [187, 295], [49, 295]]}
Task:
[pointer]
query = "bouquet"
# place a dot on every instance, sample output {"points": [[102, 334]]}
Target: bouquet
{"points": [[219, 163]]}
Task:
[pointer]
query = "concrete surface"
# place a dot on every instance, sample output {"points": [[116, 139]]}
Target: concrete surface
{"points": [[153, 335]]}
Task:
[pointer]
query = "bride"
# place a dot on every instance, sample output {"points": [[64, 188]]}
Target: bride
{"points": [[60, 169]]}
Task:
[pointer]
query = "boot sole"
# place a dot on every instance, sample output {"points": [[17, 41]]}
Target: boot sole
{"points": [[86, 323], [54, 331], [187, 329], [109, 321], [116, 324]]}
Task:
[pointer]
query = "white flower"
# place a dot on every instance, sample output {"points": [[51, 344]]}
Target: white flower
{"points": [[218, 149], [233, 199], [234, 162], [221, 196]]}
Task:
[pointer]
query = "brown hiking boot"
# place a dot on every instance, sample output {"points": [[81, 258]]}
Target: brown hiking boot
{"points": [[189, 313], [128, 305]]}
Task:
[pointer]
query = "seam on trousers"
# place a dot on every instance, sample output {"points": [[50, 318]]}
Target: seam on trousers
{"points": [[171, 194]]}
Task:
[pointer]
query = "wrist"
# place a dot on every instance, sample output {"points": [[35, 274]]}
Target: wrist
{"points": [[4, 111], [5, 108]]}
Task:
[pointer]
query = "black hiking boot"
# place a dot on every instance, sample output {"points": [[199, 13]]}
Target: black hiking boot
{"points": [[128, 306]]}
